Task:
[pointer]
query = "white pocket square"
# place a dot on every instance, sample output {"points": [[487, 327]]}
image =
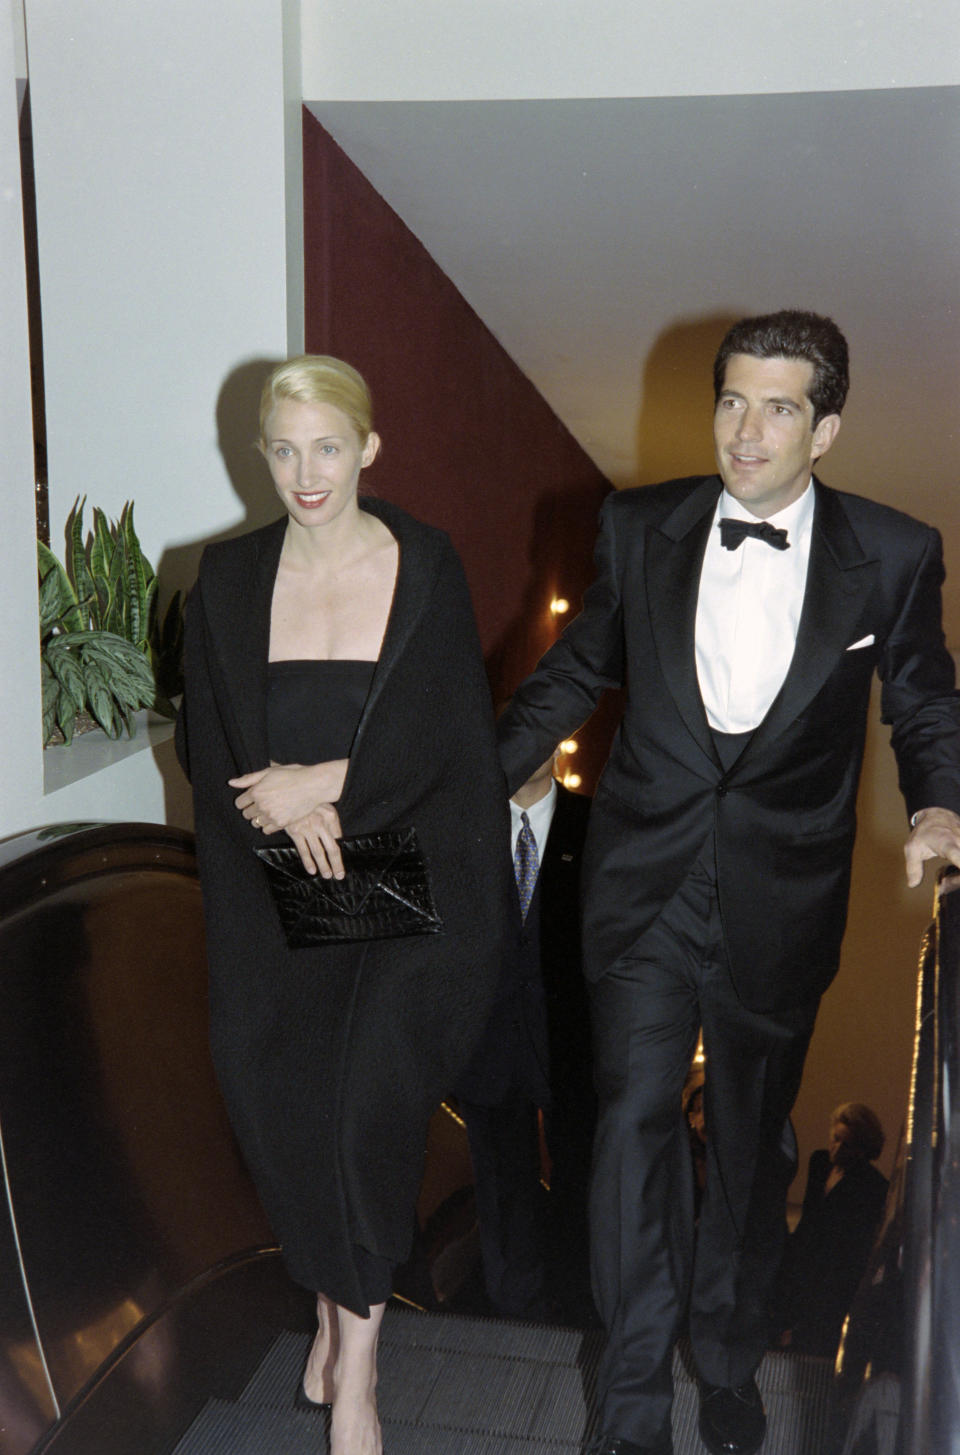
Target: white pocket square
{"points": [[866, 641]]}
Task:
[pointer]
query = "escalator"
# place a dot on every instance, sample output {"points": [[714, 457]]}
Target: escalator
{"points": [[144, 1309]]}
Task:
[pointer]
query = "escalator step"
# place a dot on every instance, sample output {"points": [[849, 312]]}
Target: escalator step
{"points": [[234, 1429], [451, 1385]]}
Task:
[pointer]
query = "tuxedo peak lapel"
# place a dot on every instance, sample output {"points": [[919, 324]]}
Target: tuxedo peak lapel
{"points": [[840, 577], [691, 510], [674, 556]]}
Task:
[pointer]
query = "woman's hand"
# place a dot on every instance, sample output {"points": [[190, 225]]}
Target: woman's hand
{"points": [[300, 800], [315, 836], [275, 797]]}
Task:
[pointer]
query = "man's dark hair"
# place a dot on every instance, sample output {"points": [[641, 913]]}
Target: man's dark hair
{"points": [[792, 334]]}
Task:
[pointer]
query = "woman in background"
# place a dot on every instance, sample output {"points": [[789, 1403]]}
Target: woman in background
{"points": [[335, 686], [827, 1254]]}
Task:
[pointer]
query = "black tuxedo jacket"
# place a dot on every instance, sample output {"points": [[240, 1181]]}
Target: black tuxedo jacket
{"points": [[537, 1040], [783, 815]]}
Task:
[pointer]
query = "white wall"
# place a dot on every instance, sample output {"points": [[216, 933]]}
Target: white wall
{"points": [[433, 50], [164, 190], [20, 779]]}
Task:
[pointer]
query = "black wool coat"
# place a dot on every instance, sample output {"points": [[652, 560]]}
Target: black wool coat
{"points": [[332, 1059]]}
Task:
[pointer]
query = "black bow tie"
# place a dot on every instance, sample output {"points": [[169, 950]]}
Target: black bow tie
{"points": [[732, 533]]}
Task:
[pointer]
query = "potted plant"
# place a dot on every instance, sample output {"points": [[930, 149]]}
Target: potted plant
{"points": [[104, 652]]}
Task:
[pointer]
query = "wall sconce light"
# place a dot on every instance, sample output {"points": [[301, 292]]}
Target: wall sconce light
{"points": [[569, 746], [559, 605], [571, 780]]}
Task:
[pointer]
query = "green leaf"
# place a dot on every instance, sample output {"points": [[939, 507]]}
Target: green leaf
{"points": [[67, 613], [66, 718], [101, 700], [101, 548], [51, 596], [122, 667], [51, 701], [113, 620], [135, 578], [77, 568], [67, 672], [148, 620]]}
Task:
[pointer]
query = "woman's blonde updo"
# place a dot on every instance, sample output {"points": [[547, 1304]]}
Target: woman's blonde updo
{"points": [[319, 379]]}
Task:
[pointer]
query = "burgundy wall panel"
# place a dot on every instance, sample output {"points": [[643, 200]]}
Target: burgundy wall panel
{"points": [[468, 442]]}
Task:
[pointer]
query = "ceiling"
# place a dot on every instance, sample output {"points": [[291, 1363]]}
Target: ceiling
{"points": [[607, 243]]}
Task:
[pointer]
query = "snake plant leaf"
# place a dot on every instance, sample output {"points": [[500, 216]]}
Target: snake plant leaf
{"points": [[101, 548], [77, 568], [135, 575], [151, 611], [113, 616]]}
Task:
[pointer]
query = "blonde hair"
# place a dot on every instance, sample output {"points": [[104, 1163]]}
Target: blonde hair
{"points": [[319, 379], [867, 1136]]}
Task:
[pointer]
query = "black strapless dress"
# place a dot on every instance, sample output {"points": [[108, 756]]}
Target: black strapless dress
{"points": [[314, 708], [313, 711]]}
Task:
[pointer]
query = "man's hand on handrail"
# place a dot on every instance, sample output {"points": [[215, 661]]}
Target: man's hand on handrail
{"points": [[935, 835]]}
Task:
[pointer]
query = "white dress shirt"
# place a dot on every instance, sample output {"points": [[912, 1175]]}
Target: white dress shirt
{"points": [[539, 816], [748, 611]]}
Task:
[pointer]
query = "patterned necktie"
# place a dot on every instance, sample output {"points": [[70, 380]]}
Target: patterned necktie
{"points": [[732, 533], [526, 864]]}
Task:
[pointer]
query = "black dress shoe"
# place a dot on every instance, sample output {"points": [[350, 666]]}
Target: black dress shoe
{"points": [[614, 1445], [732, 1421]]}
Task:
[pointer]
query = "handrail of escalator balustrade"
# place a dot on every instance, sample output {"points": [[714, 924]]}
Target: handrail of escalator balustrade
{"points": [[930, 1378]]}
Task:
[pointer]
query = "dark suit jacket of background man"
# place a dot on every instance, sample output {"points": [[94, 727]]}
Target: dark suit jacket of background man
{"points": [[536, 1052], [784, 814], [537, 1034]]}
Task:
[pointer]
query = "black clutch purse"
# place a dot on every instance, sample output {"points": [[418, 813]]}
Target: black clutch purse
{"points": [[385, 893]]}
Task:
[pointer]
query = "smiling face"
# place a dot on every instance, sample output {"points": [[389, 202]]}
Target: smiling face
{"points": [[315, 459], [763, 432]]}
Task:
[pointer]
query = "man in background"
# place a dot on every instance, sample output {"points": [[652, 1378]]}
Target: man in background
{"points": [[534, 1060]]}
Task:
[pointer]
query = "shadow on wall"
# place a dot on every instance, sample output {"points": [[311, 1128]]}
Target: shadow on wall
{"points": [[862, 1045], [559, 565], [675, 421], [674, 438], [237, 415]]}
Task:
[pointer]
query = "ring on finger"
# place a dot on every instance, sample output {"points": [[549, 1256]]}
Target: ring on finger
{"points": [[256, 823]]}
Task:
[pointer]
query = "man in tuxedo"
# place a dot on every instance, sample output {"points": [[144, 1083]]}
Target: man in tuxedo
{"points": [[535, 1056], [745, 614]]}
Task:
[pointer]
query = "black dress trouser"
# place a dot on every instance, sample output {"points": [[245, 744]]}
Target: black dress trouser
{"points": [[647, 1011]]}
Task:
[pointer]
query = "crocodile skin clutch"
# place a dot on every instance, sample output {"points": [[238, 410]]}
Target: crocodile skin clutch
{"points": [[385, 893]]}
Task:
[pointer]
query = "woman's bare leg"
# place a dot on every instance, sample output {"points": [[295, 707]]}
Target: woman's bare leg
{"points": [[318, 1375], [355, 1427]]}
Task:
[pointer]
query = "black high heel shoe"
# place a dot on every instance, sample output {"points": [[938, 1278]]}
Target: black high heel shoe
{"points": [[303, 1401]]}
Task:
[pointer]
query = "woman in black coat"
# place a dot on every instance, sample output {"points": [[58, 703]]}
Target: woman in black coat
{"points": [[826, 1256], [335, 686]]}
